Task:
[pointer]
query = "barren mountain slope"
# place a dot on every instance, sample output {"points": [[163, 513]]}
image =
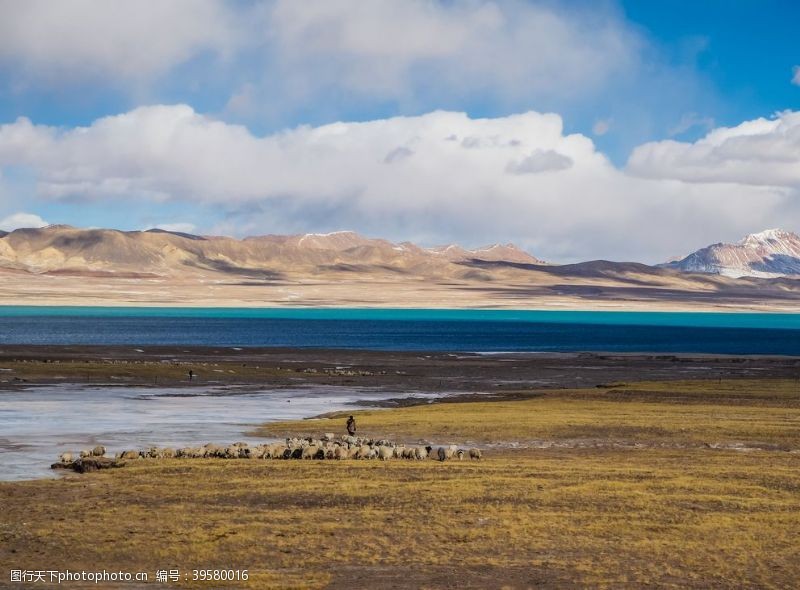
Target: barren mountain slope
{"points": [[64, 265], [771, 253]]}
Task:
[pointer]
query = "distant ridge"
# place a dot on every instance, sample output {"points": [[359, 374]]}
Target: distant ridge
{"points": [[62, 265], [157, 230], [768, 254], [59, 247]]}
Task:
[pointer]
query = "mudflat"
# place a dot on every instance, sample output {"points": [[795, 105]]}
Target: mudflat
{"points": [[501, 373]]}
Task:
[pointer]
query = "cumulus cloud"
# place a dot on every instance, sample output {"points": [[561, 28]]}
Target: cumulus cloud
{"points": [[761, 152], [796, 75], [115, 38], [399, 48], [398, 153], [540, 161], [18, 220], [407, 51], [435, 177], [271, 63]]}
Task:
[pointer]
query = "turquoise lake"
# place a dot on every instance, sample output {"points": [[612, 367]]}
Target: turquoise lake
{"points": [[406, 329]]}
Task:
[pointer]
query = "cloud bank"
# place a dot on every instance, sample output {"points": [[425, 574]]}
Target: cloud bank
{"points": [[21, 219], [404, 48], [762, 152], [284, 51], [436, 177], [127, 41]]}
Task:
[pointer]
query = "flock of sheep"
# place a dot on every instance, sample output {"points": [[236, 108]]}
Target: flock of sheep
{"points": [[327, 447]]}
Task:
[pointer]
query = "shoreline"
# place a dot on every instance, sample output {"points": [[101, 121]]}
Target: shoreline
{"points": [[788, 307], [299, 307], [30, 365]]}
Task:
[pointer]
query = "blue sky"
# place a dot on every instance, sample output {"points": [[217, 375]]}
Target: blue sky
{"points": [[745, 50], [121, 100]]}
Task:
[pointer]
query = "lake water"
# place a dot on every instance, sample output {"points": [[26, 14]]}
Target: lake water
{"points": [[408, 329], [38, 424]]}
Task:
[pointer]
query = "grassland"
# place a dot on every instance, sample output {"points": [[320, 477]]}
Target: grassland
{"points": [[167, 373], [670, 512], [763, 413]]}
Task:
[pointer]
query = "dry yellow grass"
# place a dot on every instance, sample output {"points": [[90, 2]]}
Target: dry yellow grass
{"points": [[597, 517], [761, 413]]}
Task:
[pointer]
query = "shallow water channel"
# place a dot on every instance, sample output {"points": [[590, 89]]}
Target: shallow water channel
{"points": [[37, 424]]}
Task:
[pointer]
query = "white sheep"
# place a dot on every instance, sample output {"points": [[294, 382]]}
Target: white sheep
{"points": [[421, 452], [446, 453], [211, 450], [310, 452], [277, 450], [327, 447]]}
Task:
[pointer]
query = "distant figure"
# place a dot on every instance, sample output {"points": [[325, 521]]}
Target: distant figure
{"points": [[351, 426], [191, 375]]}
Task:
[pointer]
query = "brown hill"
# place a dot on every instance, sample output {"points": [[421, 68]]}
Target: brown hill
{"points": [[65, 265], [59, 248]]}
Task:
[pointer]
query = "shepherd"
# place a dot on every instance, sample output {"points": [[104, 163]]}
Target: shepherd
{"points": [[351, 426]]}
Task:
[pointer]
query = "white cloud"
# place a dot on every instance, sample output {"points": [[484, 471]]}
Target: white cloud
{"points": [[18, 220], [540, 161], [761, 152], [319, 60], [796, 75], [405, 48], [400, 50], [115, 38], [433, 178]]}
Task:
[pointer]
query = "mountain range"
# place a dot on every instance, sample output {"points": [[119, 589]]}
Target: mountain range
{"points": [[65, 249], [66, 265], [770, 253]]}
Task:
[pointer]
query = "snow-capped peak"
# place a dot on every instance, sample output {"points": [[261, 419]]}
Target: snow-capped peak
{"points": [[766, 236], [770, 253], [329, 234]]}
